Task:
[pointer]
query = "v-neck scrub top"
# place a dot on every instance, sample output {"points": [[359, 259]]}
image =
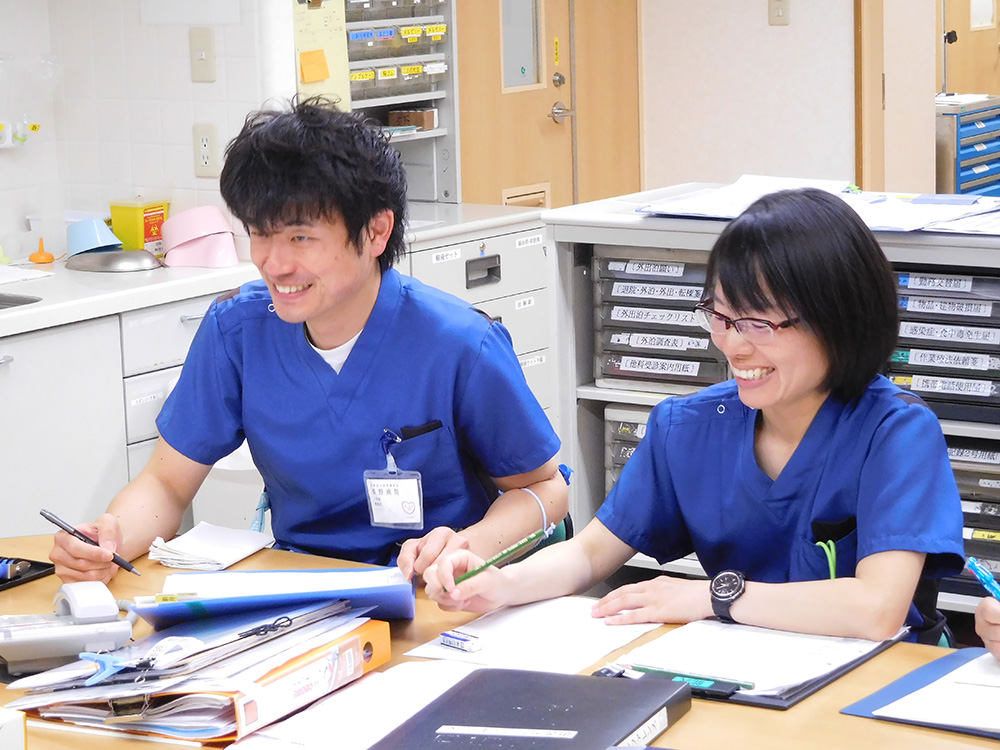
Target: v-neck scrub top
{"points": [[694, 485], [423, 357]]}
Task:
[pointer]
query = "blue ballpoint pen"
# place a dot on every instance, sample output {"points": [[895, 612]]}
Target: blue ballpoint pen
{"points": [[985, 577]]}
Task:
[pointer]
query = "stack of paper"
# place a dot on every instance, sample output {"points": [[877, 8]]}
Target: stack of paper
{"points": [[208, 547], [214, 679]]}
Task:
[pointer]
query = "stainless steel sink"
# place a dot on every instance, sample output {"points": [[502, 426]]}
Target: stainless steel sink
{"points": [[16, 300]]}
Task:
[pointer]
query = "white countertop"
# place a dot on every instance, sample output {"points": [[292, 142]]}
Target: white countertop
{"points": [[69, 296]]}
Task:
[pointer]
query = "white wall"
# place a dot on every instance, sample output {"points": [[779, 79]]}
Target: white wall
{"points": [[119, 123], [726, 94]]}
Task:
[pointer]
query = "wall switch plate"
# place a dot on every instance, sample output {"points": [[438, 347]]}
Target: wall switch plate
{"points": [[202, 43], [206, 150], [777, 12]]}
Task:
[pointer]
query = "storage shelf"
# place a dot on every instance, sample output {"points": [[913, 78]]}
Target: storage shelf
{"points": [[378, 62], [592, 392], [958, 602], [418, 135], [970, 429], [388, 101], [399, 21]]}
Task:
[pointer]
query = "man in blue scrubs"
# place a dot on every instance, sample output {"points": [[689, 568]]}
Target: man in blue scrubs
{"points": [[817, 495], [383, 415]]}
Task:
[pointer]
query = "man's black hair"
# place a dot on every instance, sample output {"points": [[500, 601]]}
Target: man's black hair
{"points": [[312, 161]]}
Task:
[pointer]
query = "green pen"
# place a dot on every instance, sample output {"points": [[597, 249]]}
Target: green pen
{"points": [[691, 678], [512, 550]]}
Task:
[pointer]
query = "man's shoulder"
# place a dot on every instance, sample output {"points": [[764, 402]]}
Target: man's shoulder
{"points": [[443, 312], [232, 308]]}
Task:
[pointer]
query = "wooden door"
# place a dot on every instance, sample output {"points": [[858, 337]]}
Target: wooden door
{"points": [[974, 59], [511, 150]]}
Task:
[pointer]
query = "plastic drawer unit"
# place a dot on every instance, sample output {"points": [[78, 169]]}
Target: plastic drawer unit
{"points": [[645, 332], [968, 146], [624, 428], [503, 275]]}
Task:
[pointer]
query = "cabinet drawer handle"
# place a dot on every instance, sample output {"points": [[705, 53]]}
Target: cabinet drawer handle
{"points": [[190, 318], [6, 359]]}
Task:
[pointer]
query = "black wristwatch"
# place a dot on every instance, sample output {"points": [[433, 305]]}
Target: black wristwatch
{"points": [[726, 588]]}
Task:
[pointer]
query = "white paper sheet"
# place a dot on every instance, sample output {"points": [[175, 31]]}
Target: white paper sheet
{"points": [[364, 712], [968, 697], [208, 547], [769, 659], [19, 273], [557, 635]]}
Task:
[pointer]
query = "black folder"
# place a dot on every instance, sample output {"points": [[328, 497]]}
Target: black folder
{"points": [[514, 709]]}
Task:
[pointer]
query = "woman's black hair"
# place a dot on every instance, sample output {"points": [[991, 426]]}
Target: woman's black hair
{"points": [[808, 254], [312, 161]]}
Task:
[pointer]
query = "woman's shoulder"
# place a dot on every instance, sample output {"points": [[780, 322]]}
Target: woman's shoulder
{"points": [[715, 402], [884, 404]]}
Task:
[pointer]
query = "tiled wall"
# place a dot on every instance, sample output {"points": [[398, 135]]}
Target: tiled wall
{"points": [[119, 122]]}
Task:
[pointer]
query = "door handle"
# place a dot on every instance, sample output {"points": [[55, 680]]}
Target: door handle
{"points": [[191, 318], [6, 359], [559, 112]]}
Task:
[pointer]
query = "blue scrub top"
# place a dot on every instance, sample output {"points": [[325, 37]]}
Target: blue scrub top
{"points": [[694, 485], [423, 356]]}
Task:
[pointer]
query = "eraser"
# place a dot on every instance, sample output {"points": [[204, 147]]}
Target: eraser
{"points": [[461, 641]]}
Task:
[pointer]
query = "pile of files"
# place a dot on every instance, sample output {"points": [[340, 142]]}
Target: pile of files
{"points": [[213, 679], [208, 547], [976, 464], [646, 337], [948, 351]]}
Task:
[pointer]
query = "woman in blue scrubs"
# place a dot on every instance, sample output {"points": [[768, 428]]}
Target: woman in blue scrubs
{"points": [[817, 495]]}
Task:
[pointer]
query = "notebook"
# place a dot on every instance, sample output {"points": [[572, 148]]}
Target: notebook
{"points": [[517, 709]]}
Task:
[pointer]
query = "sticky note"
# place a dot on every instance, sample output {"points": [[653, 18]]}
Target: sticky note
{"points": [[313, 66]]}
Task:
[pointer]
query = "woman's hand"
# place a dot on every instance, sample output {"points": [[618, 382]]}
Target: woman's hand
{"points": [[662, 599], [988, 624], [484, 592], [416, 555]]}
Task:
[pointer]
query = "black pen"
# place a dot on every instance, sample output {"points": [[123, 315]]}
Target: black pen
{"points": [[118, 560]]}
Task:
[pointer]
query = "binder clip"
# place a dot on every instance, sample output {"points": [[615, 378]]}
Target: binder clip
{"points": [[11, 568]]}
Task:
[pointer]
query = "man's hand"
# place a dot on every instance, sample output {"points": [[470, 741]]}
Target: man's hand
{"points": [[417, 555], [663, 599], [79, 561], [988, 624]]}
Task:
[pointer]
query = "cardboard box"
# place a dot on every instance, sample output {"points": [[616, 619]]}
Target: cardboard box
{"points": [[424, 119], [12, 730]]}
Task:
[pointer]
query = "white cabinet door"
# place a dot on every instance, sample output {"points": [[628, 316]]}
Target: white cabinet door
{"points": [[62, 424]]}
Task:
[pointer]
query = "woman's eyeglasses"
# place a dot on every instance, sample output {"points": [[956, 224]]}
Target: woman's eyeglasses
{"points": [[754, 330]]}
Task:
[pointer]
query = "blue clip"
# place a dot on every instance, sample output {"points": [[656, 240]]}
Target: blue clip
{"points": [[107, 665]]}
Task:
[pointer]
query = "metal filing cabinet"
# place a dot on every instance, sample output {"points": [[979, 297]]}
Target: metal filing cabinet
{"points": [[968, 144], [497, 259]]}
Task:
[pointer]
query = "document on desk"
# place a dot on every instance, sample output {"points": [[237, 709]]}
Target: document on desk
{"points": [[897, 212], [966, 698], [194, 595], [381, 701], [771, 663], [208, 547], [555, 635], [729, 201]]}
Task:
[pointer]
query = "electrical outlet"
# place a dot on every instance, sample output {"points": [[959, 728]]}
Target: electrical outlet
{"points": [[777, 12], [206, 150]]}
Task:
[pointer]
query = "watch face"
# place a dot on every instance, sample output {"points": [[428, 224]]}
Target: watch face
{"points": [[727, 584]]}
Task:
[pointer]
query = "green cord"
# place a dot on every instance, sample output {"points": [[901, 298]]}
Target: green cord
{"points": [[830, 548]]}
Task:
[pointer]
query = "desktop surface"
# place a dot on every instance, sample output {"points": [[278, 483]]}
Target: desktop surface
{"points": [[816, 721]]}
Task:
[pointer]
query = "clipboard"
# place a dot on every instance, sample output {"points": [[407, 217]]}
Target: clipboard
{"points": [[36, 569], [919, 678]]}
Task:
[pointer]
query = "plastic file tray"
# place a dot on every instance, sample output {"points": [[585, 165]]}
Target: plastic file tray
{"points": [[982, 543], [964, 583], [698, 345], [681, 296], [942, 309], [674, 272], [645, 372], [952, 336], [968, 389], [933, 363], [957, 285], [978, 485], [978, 514], [644, 318], [624, 428]]}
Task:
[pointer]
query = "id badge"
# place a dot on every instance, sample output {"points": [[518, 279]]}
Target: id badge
{"points": [[395, 499]]}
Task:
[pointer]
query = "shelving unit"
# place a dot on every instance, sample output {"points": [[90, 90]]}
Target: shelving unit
{"points": [[579, 232], [402, 55]]}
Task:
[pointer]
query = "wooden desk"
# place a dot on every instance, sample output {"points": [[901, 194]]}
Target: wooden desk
{"points": [[814, 722]]}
